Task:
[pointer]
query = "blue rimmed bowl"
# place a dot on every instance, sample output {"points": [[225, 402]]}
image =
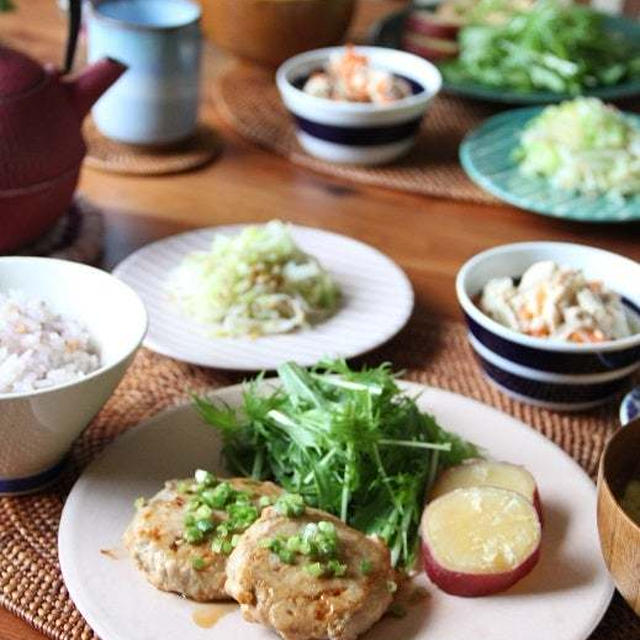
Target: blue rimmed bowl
{"points": [[358, 133], [551, 373]]}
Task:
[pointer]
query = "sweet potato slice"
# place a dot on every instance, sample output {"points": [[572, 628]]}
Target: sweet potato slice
{"points": [[479, 540], [481, 473]]}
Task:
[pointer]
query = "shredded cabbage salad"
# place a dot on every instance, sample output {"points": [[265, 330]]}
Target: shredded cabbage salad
{"points": [[583, 145], [256, 283]]}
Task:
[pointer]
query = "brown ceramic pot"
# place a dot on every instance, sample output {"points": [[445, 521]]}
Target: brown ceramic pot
{"points": [[270, 31], [619, 535]]}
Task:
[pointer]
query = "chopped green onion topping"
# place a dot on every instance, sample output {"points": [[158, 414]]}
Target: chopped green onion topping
{"points": [[290, 505], [206, 526], [193, 535], [366, 566], [336, 568], [205, 478], [184, 486], [221, 545], [315, 569], [203, 511], [189, 520], [316, 541], [210, 496], [140, 502], [219, 497], [198, 563], [241, 516]]}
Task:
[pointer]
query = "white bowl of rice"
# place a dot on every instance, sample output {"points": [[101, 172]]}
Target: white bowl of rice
{"points": [[68, 332]]}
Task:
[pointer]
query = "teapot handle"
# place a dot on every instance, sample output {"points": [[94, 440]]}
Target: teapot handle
{"points": [[75, 19]]}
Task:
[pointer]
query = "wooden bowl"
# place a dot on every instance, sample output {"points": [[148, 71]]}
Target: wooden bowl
{"points": [[270, 31], [619, 534]]}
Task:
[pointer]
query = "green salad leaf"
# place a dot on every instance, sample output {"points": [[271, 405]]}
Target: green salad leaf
{"points": [[349, 442], [553, 46]]}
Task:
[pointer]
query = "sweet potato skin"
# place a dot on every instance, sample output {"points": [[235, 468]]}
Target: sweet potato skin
{"points": [[472, 585]]}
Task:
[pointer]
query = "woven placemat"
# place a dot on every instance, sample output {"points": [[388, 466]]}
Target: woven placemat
{"points": [[435, 354], [247, 98], [78, 235], [116, 157]]}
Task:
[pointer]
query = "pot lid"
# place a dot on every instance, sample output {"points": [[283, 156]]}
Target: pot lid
{"points": [[18, 72]]}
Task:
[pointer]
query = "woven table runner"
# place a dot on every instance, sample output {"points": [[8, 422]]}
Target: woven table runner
{"points": [[248, 100], [435, 354]]}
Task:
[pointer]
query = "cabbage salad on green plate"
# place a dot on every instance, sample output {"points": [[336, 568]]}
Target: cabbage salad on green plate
{"points": [[578, 160]]}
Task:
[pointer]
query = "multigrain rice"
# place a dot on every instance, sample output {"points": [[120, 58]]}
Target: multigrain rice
{"points": [[39, 348]]}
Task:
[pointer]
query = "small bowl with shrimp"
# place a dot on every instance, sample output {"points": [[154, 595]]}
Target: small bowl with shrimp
{"points": [[553, 324], [357, 105]]}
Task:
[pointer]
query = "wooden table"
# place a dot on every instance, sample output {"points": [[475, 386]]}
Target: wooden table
{"points": [[428, 237]]}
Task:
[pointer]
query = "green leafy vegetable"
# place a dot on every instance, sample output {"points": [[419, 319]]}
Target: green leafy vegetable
{"points": [[349, 442], [552, 46]]}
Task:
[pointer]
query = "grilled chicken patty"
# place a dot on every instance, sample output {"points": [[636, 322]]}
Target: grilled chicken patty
{"points": [[297, 604], [155, 540]]}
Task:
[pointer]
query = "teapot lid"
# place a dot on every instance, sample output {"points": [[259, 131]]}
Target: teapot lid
{"points": [[18, 72]]}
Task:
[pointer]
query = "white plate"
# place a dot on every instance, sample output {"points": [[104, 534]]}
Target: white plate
{"points": [[378, 300], [562, 599]]}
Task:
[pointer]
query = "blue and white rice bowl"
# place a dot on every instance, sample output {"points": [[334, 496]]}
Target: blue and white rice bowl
{"points": [[355, 132], [546, 372]]}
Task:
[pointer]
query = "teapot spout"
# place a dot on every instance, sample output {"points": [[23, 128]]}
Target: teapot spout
{"points": [[85, 89]]}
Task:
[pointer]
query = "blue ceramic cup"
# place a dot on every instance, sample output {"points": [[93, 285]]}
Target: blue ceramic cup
{"points": [[156, 101]]}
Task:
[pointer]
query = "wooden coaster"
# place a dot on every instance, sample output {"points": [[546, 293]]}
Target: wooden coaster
{"points": [[77, 236], [117, 157]]}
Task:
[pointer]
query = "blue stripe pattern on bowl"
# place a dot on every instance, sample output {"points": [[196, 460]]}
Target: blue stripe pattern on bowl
{"points": [[553, 361], [359, 136], [27, 484], [550, 392]]}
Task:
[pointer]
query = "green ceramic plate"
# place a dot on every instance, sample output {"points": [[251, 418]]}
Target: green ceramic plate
{"points": [[486, 154], [388, 33]]}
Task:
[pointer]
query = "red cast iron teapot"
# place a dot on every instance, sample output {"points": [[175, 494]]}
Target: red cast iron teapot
{"points": [[41, 145]]}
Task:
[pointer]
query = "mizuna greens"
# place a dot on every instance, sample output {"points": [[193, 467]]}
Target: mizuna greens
{"points": [[349, 442], [552, 46]]}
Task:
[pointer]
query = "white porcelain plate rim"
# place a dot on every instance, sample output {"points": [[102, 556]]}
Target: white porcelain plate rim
{"points": [[118, 603]]}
